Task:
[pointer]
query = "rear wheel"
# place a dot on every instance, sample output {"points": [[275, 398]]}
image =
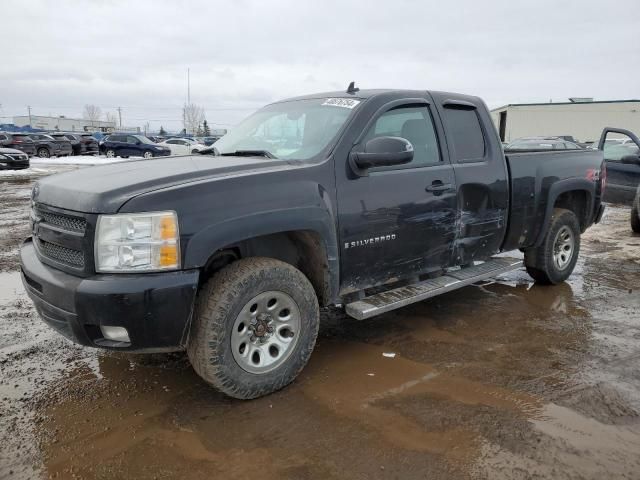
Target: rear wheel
{"points": [[554, 260], [148, 154], [635, 218], [111, 153], [44, 152], [255, 326]]}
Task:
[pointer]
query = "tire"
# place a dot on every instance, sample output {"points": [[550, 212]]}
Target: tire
{"points": [[553, 261], [194, 151], [148, 154], [635, 218], [111, 153], [43, 152], [223, 306]]}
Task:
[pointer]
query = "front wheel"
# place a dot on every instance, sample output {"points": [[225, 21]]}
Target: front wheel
{"points": [[554, 260], [635, 218], [111, 153], [255, 325]]}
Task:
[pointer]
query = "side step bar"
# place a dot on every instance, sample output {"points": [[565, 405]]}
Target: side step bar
{"points": [[452, 280]]}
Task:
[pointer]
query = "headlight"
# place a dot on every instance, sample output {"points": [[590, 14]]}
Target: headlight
{"points": [[137, 242]]}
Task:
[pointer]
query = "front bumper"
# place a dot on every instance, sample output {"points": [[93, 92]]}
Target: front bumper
{"points": [[155, 308], [14, 165]]}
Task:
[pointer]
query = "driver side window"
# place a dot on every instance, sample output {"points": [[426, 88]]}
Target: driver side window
{"points": [[413, 123]]}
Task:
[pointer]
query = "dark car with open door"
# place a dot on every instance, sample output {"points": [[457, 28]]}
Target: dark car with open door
{"points": [[620, 148]]}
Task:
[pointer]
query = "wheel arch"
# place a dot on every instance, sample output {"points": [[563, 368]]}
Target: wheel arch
{"points": [[310, 245], [575, 194]]}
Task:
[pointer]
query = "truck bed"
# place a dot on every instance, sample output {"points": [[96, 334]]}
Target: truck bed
{"points": [[534, 175]]}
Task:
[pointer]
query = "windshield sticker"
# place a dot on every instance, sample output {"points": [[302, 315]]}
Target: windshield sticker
{"points": [[349, 103]]}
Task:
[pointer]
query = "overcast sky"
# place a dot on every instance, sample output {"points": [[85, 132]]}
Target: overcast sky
{"points": [[59, 56]]}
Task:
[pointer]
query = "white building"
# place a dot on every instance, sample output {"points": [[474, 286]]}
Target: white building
{"points": [[64, 124], [581, 118]]}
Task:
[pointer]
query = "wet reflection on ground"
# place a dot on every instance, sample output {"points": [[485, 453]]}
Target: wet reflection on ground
{"points": [[502, 380]]}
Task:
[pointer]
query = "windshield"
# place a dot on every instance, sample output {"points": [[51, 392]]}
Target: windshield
{"points": [[299, 129], [143, 139]]}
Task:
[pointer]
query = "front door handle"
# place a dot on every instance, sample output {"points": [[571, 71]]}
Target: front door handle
{"points": [[437, 187]]}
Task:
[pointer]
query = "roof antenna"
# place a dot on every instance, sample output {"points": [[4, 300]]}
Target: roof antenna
{"points": [[352, 88]]}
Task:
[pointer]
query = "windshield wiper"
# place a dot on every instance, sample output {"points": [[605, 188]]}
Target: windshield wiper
{"points": [[249, 153]]}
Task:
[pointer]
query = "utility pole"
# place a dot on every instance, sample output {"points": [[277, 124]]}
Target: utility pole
{"points": [[29, 109], [119, 117], [188, 87]]}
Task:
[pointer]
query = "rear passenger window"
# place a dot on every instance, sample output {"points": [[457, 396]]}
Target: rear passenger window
{"points": [[465, 134], [413, 124]]}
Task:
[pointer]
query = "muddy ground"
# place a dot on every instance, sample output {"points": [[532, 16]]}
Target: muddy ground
{"points": [[504, 380]]}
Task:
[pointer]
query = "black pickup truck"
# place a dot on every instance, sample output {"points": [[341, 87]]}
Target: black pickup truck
{"points": [[362, 200]]}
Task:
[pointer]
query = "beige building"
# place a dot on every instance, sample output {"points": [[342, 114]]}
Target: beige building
{"points": [[581, 118], [64, 124]]}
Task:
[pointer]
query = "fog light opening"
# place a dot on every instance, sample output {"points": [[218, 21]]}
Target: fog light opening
{"points": [[117, 334]]}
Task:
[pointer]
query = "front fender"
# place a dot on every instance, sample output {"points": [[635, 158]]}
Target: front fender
{"points": [[220, 235]]}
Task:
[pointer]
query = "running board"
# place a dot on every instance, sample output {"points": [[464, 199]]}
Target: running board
{"points": [[452, 280]]}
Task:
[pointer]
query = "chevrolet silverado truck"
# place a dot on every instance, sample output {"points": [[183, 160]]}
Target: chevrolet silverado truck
{"points": [[361, 200]]}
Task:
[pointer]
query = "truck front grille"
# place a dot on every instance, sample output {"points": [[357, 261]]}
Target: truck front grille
{"points": [[62, 237], [65, 222], [61, 254]]}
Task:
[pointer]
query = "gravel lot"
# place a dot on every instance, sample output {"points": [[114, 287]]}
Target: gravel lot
{"points": [[504, 380]]}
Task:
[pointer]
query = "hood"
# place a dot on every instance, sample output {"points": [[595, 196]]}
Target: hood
{"points": [[104, 189]]}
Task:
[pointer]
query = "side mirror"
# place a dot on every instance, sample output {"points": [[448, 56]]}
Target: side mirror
{"points": [[631, 159], [383, 152]]}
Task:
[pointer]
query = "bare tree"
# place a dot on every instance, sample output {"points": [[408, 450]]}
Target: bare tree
{"points": [[92, 113], [111, 117], [193, 116]]}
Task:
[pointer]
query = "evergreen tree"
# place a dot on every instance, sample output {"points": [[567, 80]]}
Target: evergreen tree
{"points": [[199, 131], [206, 131], [162, 131]]}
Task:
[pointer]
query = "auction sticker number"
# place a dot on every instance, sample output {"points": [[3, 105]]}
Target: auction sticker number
{"points": [[341, 102]]}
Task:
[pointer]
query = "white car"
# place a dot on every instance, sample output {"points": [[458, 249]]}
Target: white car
{"points": [[182, 146]]}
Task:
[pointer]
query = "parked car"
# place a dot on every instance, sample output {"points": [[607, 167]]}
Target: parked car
{"points": [[182, 146], [542, 143], [623, 174], [12, 159], [73, 141], [18, 141], [123, 145], [88, 144], [310, 202], [81, 143], [47, 146]]}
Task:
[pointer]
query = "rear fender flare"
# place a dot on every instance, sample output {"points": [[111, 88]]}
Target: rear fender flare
{"points": [[557, 189]]}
